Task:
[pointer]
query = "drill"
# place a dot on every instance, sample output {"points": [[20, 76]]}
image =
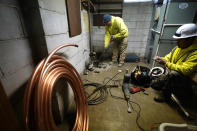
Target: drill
{"points": [[126, 89]]}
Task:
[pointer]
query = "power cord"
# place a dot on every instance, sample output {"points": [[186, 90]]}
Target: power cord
{"points": [[138, 116], [119, 71], [102, 95], [99, 94], [115, 82], [138, 112]]}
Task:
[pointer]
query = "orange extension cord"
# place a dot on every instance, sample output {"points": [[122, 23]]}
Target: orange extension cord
{"points": [[38, 95]]}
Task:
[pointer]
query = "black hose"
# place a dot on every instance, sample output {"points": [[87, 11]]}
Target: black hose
{"points": [[99, 95]]}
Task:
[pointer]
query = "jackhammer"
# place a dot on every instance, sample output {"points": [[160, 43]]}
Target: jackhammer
{"points": [[126, 89]]}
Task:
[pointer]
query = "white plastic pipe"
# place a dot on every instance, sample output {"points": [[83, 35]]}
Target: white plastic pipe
{"points": [[163, 126], [176, 127]]}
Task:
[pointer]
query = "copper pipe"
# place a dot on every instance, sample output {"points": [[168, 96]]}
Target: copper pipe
{"points": [[38, 95]]}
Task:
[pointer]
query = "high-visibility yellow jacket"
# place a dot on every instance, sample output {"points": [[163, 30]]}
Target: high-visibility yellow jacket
{"points": [[117, 28], [182, 60]]}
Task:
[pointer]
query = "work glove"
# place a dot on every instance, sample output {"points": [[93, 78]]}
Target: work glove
{"points": [[112, 38], [160, 60], [106, 48]]}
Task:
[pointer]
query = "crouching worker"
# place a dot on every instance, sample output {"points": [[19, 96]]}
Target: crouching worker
{"points": [[116, 33], [182, 65]]}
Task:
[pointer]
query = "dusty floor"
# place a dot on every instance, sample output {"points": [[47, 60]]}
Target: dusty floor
{"points": [[112, 114]]}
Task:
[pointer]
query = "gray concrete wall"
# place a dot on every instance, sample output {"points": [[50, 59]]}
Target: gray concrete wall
{"points": [[16, 60], [55, 24], [47, 26], [137, 17], [16, 63], [98, 34]]}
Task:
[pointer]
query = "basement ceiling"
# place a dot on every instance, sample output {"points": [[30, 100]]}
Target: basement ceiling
{"points": [[113, 7]]}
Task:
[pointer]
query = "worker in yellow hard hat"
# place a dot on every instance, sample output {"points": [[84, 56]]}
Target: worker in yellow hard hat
{"points": [[182, 65], [116, 33]]}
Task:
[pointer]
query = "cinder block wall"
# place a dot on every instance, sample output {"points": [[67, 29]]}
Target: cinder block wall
{"points": [[137, 17], [55, 24], [98, 34], [16, 59], [16, 62], [16, 52]]}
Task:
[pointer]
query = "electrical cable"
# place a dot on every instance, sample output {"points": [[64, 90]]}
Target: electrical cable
{"points": [[138, 112], [156, 71], [138, 116], [101, 87], [101, 95], [38, 95], [119, 71], [115, 97], [115, 82]]}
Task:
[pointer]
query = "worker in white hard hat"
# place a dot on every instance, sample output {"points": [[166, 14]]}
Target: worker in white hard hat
{"points": [[182, 63]]}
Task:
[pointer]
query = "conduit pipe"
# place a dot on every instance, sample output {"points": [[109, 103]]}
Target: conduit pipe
{"points": [[38, 95]]}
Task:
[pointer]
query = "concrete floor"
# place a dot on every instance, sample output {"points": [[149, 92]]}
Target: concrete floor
{"points": [[112, 114]]}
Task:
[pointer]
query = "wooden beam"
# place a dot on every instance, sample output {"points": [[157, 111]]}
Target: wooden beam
{"points": [[107, 2], [74, 17], [110, 10], [8, 118]]}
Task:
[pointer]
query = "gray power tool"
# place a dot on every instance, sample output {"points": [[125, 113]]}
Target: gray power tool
{"points": [[126, 89]]}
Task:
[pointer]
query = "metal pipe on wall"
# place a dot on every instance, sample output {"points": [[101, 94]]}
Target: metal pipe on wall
{"points": [[172, 25], [90, 36], [161, 32]]}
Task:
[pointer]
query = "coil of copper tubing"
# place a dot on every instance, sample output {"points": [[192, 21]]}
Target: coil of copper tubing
{"points": [[38, 95]]}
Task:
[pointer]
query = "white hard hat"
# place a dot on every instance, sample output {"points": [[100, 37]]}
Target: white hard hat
{"points": [[186, 31]]}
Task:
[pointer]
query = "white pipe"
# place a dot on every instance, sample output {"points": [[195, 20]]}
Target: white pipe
{"points": [[161, 31], [157, 32], [188, 127], [165, 25], [156, 68], [164, 125], [179, 104]]}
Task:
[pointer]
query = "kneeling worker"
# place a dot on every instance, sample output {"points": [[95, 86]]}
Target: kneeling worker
{"points": [[116, 33], [182, 63]]}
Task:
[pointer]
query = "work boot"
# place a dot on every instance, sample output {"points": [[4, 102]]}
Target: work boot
{"points": [[112, 63], [157, 84], [120, 64], [159, 97]]}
